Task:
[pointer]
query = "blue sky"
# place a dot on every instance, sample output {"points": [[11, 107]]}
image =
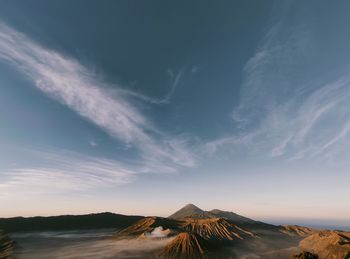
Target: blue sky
{"points": [[141, 107]]}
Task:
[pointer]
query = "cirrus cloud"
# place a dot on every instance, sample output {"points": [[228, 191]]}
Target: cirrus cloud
{"points": [[67, 81]]}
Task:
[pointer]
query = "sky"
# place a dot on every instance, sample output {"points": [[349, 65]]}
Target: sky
{"points": [[140, 107]]}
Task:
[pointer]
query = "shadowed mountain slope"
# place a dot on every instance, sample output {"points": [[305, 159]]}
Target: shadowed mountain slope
{"points": [[305, 255], [231, 216], [6, 246]]}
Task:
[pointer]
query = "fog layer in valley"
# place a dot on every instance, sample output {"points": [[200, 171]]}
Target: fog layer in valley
{"points": [[83, 244]]}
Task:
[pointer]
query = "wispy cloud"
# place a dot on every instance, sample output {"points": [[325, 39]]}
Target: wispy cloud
{"points": [[175, 78], [283, 111], [66, 80], [93, 143], [175, 81], [64, 171], [72, 84]]}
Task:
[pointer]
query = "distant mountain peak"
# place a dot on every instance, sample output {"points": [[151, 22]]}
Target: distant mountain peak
{"points": [[186, 211], [191, 206]]}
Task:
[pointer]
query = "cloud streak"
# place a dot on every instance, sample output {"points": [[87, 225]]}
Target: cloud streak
{"points": [[175, 81], [75, 86], [62, 171], [282, 112]]}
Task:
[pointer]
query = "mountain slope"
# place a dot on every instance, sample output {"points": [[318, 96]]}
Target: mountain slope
{"points": [[147, 225], [295, 230], [184, 246], [328, 244], [6, 246], [231, 216], [215, 229]]}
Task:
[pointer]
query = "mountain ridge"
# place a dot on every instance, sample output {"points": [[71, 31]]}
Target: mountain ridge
{"points": [[192, 211], [195, 233], [67, 222]]}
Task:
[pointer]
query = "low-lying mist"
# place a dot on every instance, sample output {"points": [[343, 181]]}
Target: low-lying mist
{"points": [[101, 244], [67, 245]]}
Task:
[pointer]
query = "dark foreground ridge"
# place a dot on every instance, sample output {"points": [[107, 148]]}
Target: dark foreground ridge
{"points": [[67, 222]]}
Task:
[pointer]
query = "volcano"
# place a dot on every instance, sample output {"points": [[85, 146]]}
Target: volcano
{"points": [[192, 211], [193, 230], [216, 229]]}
